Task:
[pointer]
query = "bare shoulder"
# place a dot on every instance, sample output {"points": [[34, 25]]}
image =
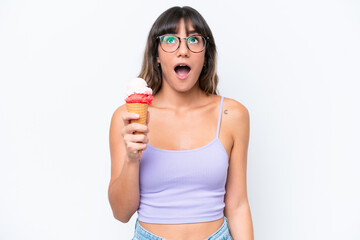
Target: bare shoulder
{"points": [[116, 123], [237, 119], [116, 120], [118, 111], [235, 109]]}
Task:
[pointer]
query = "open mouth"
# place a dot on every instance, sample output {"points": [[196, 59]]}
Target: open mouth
{"points": [[182, 71]]}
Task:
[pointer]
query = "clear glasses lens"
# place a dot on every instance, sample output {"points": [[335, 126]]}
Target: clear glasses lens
{"points": [[170, 43], [196, 43]]}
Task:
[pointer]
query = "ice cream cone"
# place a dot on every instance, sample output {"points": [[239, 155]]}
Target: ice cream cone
{"points": [[141, 109], [138, 98]]}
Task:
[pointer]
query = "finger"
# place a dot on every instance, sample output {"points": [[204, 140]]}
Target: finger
{"points": [[134, 147], [136, 127], [136, 138], [128, 116]]}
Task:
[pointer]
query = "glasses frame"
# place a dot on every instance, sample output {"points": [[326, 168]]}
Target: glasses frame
{"points": [[186, 42]]}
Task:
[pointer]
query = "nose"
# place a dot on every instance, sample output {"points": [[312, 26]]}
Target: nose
{"points": [[183, 49]]}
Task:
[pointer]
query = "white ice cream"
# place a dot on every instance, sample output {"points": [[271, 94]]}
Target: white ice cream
{"points": [[137, 85]]}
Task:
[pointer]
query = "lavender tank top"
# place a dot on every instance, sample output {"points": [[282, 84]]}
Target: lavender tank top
{"points": [[183, 186]]}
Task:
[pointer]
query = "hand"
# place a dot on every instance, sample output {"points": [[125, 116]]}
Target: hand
{"points": [[134, 142]]}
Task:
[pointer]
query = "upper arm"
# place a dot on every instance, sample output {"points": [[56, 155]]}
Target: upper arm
{"points": [[117, 144], [236, 193]]}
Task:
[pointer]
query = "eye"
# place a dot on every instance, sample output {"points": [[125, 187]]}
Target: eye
{"points": [[169, 39], [193, 39]]}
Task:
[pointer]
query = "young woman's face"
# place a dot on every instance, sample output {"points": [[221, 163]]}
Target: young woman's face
{"points": [[179, 78]]}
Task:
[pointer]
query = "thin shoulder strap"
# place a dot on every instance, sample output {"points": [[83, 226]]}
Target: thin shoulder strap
{"points": [[219, 120]]}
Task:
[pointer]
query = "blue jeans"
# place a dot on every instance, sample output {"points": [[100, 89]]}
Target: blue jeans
{"points": [[223, 233]]}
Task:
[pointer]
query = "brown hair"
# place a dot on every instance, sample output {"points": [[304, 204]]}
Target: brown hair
{"points": [[168, 22]]}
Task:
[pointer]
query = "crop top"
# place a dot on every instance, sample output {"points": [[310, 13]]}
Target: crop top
{"points": [[183, 186]]}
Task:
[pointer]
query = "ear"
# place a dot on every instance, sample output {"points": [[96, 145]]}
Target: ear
{"points": [[158, 59]]}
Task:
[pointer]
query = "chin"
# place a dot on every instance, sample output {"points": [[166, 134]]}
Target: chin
{"points": [[186, 88]]}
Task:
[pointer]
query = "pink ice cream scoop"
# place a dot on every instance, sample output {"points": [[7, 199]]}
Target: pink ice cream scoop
{"points": [[138, 92]]}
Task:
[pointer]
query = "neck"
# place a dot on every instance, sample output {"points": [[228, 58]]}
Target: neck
{"points": [[169, 98]]}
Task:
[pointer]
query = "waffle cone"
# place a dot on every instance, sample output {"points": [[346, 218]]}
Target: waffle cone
{"points": [[141, 109]]}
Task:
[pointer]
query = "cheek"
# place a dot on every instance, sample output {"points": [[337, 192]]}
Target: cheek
{"points": [[201, 61], [202, 57], [162, 58], [161, 55]]}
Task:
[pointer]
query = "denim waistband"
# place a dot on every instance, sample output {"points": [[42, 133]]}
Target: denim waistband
{"points": [[142, 234]]}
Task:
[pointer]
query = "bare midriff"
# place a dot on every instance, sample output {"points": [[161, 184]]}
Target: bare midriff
{"points": [[189, 231]]}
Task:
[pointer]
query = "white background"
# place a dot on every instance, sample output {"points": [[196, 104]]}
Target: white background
{"points": [[64, 66]]}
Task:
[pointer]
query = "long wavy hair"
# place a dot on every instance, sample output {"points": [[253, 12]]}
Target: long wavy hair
{"points": [[168, 22]]}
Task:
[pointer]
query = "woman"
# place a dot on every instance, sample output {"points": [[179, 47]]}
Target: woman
{"points": [[188, 162]]}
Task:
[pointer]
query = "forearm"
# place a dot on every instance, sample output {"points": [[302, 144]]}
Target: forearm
{"points": [[124, 192], [240, 223]]}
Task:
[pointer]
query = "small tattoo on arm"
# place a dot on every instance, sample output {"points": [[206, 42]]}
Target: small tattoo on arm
{"points": [[225, 111]]}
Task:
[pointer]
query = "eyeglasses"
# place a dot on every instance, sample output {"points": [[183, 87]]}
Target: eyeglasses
{"points": [[170, 43]]}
